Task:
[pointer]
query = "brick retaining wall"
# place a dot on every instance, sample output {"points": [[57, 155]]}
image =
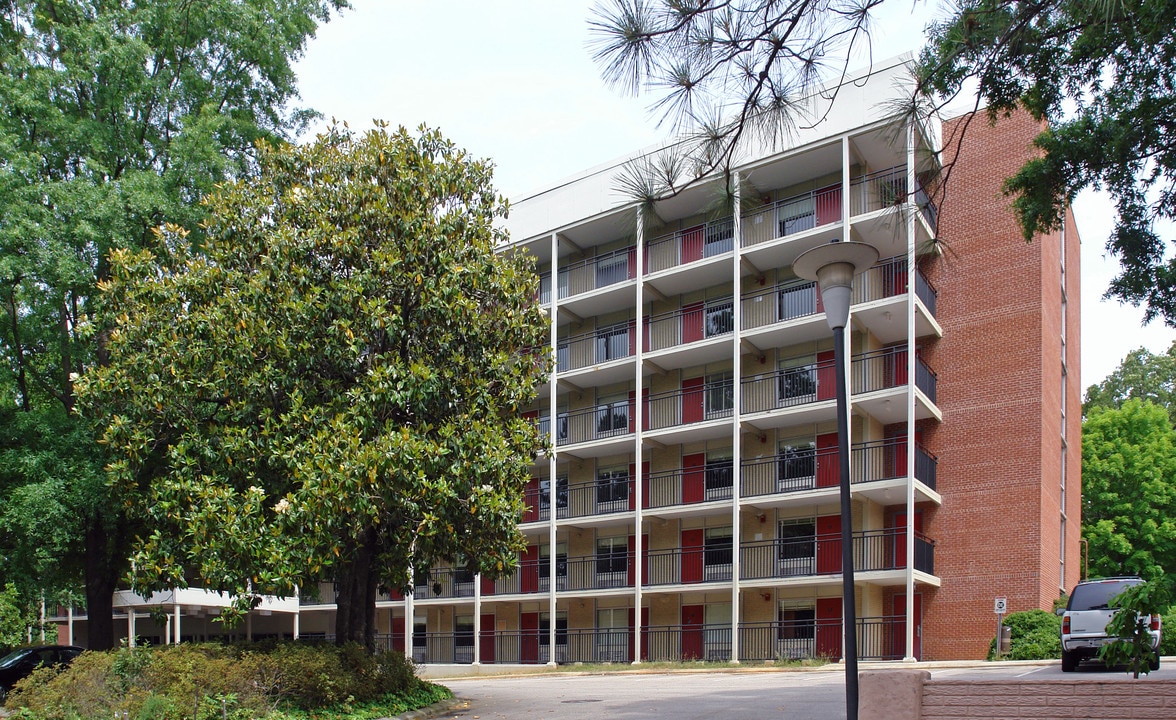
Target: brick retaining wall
{"points": [[913, 695]]}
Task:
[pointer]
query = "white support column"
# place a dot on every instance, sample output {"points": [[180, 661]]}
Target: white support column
{"points": [[477, 619], [69, 615], [297, 620], [552, 460], [638, 435], [130, 628], [410, 612], [42, 619], [847, 349], [736, 409], [911, 211], [176, 635]]}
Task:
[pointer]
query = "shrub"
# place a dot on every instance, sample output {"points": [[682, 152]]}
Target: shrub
{"points": [[1036, 635], [206, 681], [1168, 632]]}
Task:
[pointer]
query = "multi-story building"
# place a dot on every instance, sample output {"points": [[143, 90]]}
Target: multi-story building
{"points": [[688, 506]]}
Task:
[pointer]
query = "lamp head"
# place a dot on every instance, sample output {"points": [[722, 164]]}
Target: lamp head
{"points": [[833, 266]]}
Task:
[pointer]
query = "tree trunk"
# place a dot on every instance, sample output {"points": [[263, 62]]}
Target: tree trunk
{"points": [[101, 575], [355, 595]]}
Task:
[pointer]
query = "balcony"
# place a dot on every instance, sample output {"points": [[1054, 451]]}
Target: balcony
{"points": [[804, 393], [690, 486], [878, 638], [873, 550], [603, 346], [682, 261], [814, 468], [445, 583], [599, 284], [792, 216], [688, 328], [886, 189], [690, 410], [606, 426], [880, 375]]}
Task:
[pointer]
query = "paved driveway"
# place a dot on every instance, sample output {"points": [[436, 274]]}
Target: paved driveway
{"points": [[680, 696]]}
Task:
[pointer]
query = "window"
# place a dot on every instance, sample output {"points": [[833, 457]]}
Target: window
{"points": [[561, 637], [797, 301], [797, 463], [612, 560], [612, 343], [561, 566], [795, 631], [612, 488], [612, 635], [561, 497], [720, 318], [797, 381], [719, 237], [717, 554], [796, 547], [720, 395], [796, 215], [719, 475], [612, 268], [612, 416], [463, 638], [561, 426]]}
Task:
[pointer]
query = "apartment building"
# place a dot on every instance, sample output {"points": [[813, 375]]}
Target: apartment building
{"points": [[688, 506]]}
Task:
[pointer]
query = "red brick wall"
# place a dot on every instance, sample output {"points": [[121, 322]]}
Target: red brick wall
{"points": [[1053, 700], [999, 366]]}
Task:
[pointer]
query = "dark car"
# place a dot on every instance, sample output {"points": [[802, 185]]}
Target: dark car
{"points": [[20, 663]]}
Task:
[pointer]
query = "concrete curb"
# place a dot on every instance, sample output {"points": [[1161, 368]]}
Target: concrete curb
{"points": [[434, 710]]}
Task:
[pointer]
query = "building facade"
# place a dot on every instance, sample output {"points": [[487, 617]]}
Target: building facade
{"points": [[688, 505]]}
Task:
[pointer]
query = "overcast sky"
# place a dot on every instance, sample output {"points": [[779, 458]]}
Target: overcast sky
{"points": [[513, 81]]}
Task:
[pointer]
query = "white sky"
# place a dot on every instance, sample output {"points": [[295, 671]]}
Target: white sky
{"points": [[514, 81]]}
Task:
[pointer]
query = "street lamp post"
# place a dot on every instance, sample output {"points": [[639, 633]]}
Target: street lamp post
{"points": [[833, 266]]}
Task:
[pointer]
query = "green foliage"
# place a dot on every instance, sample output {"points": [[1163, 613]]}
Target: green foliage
{"points": [[118, 116], [217, 681], [1036, 635], [1132, 647], [332, 386], [1142, 375], [1129, 490], [15, 617], [1100, 74], [1168, 636]]}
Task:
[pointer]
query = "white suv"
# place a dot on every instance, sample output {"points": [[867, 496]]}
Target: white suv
{"points": [[1084, 621]]}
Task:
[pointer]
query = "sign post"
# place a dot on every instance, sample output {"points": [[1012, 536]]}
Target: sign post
{"points": [[1000, 606]]}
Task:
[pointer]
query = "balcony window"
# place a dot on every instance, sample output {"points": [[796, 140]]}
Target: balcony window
{"points": [[561, 637], [612, 635], [612, 488], [720, 394], [561, 426], [719, 476], [797, 381], [612, 343], [797, 215], [561, 497], [612, 555], [719, 237], [561, 566], [797, 547], [797, 301], [612, 416], [796, 631], [717, 554], [720, 318], [796, 465], [614, 269]]}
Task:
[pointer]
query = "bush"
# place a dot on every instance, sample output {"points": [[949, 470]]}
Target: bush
{"points": [[1036, 635], [1168, 632], [205, 681]]}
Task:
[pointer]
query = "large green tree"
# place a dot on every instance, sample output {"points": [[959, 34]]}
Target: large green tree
{"points": [[330, 389], [117, 116], [1142, 374], [1101, 73], [1129, 490]]}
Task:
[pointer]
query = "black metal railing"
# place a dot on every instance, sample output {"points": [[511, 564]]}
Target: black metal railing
{"points": [[878, 638], [791, 215], [704, 402], [887, 368], [683, 247], [789, 387], [699, 321], [600, 346], [597, 272]]}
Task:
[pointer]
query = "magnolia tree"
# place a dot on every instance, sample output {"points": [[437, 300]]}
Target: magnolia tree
{"points": [[329, 387]]}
